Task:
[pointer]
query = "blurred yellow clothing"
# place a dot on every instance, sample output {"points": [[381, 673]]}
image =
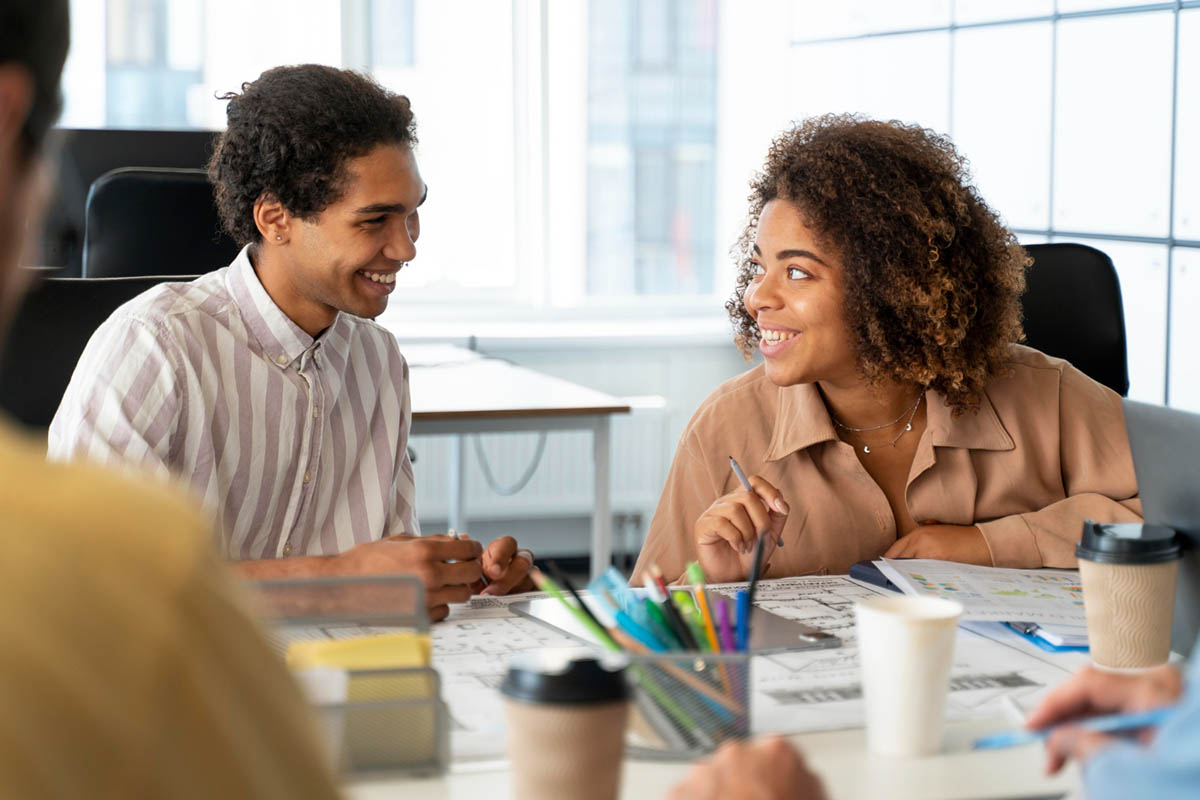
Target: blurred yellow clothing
{"points": [[127, 667]]}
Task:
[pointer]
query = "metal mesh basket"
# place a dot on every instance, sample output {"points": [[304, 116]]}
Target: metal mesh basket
{"points": [[687, 704], [389, 720]]}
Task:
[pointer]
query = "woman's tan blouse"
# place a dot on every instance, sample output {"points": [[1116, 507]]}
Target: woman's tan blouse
{"points": [[1046, 450]]}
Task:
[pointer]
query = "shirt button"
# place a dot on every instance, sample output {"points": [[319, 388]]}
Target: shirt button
{"points": [[287, 549], [314, 412], [306, 477], [281, 360]]}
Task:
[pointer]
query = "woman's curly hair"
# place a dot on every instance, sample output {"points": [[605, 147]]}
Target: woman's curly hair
{"points": [[290, 134], [932, 276]]}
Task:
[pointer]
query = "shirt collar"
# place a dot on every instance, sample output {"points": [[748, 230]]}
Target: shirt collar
{"points": [[281, 339], [803, 421]]}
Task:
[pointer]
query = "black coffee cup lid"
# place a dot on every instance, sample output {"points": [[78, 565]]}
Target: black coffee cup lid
{"points": [[1127, 543], [550, 676]]}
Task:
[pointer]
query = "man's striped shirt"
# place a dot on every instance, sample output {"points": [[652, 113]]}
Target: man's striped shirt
{"points": [[298, 446]]}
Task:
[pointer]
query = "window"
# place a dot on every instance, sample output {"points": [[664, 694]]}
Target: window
{"points": [[595, 154], [651, 141], [1067, 139]]}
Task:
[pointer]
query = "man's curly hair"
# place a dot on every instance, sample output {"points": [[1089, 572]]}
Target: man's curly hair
{"points": [[932, 276], [290, 134]]}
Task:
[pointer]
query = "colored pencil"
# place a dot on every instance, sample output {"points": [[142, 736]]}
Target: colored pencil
{"points": [[743, 619], [728, 642]]}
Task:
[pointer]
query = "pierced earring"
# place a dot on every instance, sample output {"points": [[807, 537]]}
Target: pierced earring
{"points": [[278, 238]]}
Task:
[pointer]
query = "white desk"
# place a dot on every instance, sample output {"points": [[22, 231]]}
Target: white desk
{"points": [[472, 655], [838, 756], [457, 392]]}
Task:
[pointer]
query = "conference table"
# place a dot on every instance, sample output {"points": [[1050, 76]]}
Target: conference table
{"points": [[998, 676], [457, 392]]}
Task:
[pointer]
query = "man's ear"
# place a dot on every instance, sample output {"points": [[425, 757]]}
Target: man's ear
{"points": [[16, 100], [272, 220]]}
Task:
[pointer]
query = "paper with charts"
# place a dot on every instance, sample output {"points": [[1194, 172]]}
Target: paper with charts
{"points": [[1046, 596], [994, 668]]}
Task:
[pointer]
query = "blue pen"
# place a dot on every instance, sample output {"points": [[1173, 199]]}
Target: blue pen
{"points": [[1111, 723], [743, 619]]}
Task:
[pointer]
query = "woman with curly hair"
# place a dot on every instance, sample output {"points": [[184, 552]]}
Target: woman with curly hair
{"points": [[894, 414]]}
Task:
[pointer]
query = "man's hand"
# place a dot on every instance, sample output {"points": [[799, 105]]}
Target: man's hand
{"points": [[767, 769], [427, 557], [1091, 691], [728, 530], [506, 567], [962, 543]]}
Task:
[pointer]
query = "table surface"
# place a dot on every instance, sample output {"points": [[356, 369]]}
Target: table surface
{"points": [[452, 383], [838, 756]]}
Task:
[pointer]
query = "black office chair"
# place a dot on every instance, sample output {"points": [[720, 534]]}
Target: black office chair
{"points": [[48, 335], [79, 156], [149, 221], [1072, 307]]}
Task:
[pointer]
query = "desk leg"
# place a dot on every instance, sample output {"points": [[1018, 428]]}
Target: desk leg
{"points": [[602, 508], [457, 501]]}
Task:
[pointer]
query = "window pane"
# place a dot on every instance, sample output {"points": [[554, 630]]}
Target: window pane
{"points": [[893, 77], [1008, 143], [651, 148], [1185, 329], [967, 11], [1142, 271], [1113, 137], [464, 110], [820, 19], [1187, 140], [1068, 6], [391, 33]]}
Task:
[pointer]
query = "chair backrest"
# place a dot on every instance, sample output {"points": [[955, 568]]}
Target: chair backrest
{"points": [[48, 335], [152, 221], [1072, 307], [80, 156]]}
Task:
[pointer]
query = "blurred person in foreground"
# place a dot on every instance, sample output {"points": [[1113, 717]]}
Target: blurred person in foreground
{"points": [[266, 385], [127, 669]]}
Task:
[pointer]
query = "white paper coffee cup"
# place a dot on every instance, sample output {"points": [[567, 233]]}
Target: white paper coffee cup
{"points": [[906, 649]]}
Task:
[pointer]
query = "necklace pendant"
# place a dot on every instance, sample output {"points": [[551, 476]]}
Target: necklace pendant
{"points": [[908, 427], [866, 449]]}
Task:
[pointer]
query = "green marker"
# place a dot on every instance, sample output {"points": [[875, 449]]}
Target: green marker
{"points": [[691, 616]]}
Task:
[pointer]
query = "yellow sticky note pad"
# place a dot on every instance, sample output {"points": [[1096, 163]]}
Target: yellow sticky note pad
{"points": [[386, 651]]}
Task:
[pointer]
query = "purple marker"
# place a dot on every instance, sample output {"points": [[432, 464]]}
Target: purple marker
{"points": [[728, 643]]}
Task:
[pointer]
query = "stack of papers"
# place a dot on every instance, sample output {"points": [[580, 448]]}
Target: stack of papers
{"points": [[1046, 603]]}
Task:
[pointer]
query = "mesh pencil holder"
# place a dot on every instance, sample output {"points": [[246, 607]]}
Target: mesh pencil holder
{"points": [[687, 703], [371, 721]]}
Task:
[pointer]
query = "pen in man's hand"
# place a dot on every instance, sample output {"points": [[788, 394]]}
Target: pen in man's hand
{"points": [[741, 476]]}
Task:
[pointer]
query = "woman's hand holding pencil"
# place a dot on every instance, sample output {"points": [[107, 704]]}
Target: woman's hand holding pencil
{"points": [[728, 530]]}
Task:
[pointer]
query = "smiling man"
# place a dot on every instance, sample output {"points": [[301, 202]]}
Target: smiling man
{"points": [[265, 385]]}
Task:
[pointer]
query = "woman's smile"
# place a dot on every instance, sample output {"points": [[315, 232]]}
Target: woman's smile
{"points": [[774, 341]]}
